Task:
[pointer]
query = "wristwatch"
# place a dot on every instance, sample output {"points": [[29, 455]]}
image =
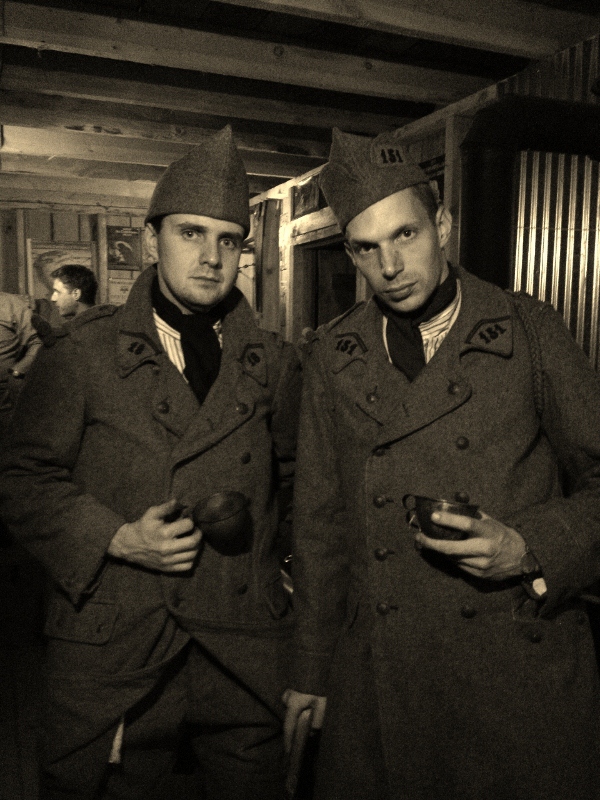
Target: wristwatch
{"points": [[531, 571]]}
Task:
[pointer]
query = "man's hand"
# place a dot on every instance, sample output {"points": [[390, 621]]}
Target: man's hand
{"points": [[493, 550], [296, 702], [155, 543]]}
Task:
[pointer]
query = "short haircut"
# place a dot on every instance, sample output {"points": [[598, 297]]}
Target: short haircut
{"points": [[76, 276], [426, 194]]}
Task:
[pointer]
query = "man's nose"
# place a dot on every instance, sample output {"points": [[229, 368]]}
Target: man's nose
{"points": [[210, 253], [391, 262]]}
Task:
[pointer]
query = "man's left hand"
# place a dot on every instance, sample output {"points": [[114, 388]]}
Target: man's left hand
{"points": [[492, 549]]}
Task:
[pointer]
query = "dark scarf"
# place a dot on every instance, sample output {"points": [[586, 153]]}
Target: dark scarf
{"points": [[404, 340], [199, 341]]}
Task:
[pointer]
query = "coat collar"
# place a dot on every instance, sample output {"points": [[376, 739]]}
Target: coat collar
{"points": [[232, 398], [384, 394]]}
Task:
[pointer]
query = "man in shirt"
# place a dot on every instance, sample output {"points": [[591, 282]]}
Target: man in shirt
{"points": [[19, 344], [74, 289], [444, 669], [132, 418]]}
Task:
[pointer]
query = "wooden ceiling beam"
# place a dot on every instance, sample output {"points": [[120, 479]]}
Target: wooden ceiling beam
{"points": [[31, 110], [89, 34], [512, 27], [16, 188], [214, 104], [69, 168], [66, 144]]}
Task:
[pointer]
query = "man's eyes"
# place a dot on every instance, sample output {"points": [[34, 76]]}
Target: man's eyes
{"points": [[405, 234]]}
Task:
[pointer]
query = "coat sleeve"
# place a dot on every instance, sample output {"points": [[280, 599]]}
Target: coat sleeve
{"points": [[319, 559], [564, 532], [66, 529]]}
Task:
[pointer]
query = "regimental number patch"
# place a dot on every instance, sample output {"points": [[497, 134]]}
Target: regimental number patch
{"points": [[350, 344], [492, 334], [254, 362]]}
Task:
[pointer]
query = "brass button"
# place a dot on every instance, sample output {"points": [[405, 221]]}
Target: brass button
{"points": [[381, 553], [453, 388], [241, 408], [379, 451], [155, 370], [246, 458], [462, 497], [535, 637], [379, 501], [383, 609], [371, 397], [468, 612], [163, 407], [462, 442]]}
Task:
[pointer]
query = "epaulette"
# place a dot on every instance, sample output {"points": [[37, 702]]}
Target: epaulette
{"points": [[50, 334], [329, 326], [89, 315]]}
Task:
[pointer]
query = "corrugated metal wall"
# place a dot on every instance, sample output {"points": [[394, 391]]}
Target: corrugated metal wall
{"points": [[557, 239], [557, 231]]}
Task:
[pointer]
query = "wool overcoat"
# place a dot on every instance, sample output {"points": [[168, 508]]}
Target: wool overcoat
{"points": [[108, 427], [481, 691]]}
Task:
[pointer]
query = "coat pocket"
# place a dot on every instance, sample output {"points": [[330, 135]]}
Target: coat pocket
{"points": [[92, 624]]}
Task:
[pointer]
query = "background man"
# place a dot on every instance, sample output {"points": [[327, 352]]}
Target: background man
{"points": [[19, 344], [453, 669], [134, 414], [74, 289]]}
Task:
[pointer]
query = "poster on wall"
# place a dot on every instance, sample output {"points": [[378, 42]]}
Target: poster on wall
{"points": [[44, 257], [118, 290], [124, 247]]}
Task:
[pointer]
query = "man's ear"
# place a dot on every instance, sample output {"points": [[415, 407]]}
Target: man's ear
{"points": [[349, 252], [443, 221], [151, 241], [76, 293]]}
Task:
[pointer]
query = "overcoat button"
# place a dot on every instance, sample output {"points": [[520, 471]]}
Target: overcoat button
{"points": [[453, 388], [381, 553], [383, 608], [462, 442], [462, 497], [246, 458], [163, 407], [155, 370], [468, 612], [379, 501], [241, 408], [242, 589], [371, 397], [535, 637], [379, 451]]}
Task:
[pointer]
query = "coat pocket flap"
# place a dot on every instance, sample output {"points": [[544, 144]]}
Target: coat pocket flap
{"points": [[92, 624]]}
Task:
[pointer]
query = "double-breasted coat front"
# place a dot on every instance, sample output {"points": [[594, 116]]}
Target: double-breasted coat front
{"points": [[107, 428], [480, 691]]}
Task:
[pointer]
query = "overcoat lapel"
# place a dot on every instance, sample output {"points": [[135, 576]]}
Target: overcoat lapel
{"points": [[232, 398], [401, 407], [173, 402]]}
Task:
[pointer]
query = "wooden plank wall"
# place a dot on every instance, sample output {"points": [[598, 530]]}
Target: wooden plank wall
{"points": [[59, 226]]}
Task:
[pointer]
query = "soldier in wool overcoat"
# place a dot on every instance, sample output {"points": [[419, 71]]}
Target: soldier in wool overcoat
{"points": [[130, 418], [445, 669]]}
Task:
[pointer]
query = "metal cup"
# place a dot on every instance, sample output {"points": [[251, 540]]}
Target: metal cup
{"points": [[421, 508], [225, 522]]}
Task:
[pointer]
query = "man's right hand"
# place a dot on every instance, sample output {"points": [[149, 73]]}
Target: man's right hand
{"points": [[296, 702], [153, 542]]}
